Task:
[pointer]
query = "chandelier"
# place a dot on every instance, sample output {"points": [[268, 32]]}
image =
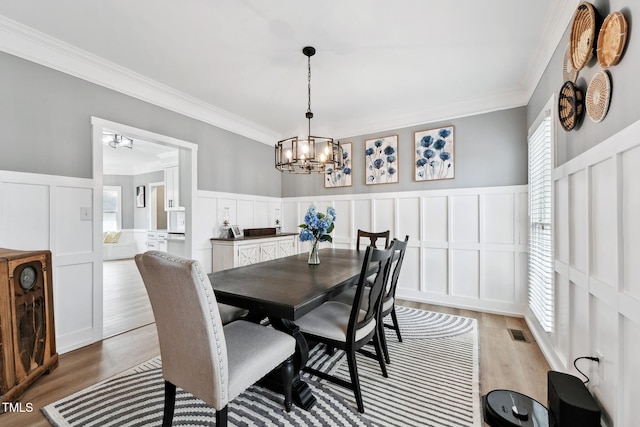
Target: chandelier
{"points": [[115, 140], [311, 153]]}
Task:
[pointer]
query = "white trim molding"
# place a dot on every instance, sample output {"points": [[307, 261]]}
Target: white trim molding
{"points": [[27, 43]]}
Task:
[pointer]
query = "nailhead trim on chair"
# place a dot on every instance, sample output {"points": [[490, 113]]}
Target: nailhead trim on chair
{"points": [[207, 291]]}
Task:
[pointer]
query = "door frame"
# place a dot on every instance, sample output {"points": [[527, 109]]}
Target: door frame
{"points": [[188, 170]]}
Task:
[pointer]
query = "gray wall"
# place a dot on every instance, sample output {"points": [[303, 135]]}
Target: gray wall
{"points": [[623, 109], [45, 120], [490, 150], [132, 216]]}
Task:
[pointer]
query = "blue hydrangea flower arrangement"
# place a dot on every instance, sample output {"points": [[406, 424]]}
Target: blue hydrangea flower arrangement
{"points": [[317, 228]]}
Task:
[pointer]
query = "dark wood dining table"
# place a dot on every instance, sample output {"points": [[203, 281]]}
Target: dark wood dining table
{"points": [[286, 289]]}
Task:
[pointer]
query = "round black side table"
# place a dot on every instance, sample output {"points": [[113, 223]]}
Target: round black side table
{"points": [[506, 408]]}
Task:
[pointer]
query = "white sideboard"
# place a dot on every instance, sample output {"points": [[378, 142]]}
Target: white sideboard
{"points": [[230, 253]]}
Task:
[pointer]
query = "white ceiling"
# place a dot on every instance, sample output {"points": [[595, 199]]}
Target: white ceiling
{"points": [[142, 158], [238, 63]]}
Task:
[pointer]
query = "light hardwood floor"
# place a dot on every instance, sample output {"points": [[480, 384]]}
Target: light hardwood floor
{"points": [[126, 304], [504, 363]]}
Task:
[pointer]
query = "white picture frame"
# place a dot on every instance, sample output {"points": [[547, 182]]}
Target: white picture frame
{"points": [[236, 231]]}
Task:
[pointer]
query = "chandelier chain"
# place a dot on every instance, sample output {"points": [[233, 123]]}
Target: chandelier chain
{"points": [[309, 84]]}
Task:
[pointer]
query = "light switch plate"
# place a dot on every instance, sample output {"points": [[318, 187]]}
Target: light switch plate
{"points": [[85, 214]]}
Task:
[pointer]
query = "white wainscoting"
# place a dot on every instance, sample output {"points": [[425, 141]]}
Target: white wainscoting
{"points": [[40, 212], [597, 280], [467, 247]]}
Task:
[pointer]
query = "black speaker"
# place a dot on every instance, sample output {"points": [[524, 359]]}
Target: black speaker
{"points": [[570, 402]]}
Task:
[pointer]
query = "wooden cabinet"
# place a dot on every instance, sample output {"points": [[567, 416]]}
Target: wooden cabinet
{"points": [[27, 331], [172, 189], [230, 253]]}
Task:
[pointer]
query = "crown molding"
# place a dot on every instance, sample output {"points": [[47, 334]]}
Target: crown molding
{"points": [[27, 43], [439, 113], [558, 19]]}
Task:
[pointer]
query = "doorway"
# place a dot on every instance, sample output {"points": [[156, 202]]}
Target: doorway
{"points": [[157, 214], [128, 297]]}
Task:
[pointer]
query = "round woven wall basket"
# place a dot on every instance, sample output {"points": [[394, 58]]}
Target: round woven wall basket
{"points": [[598, 96], [570, 105], [583, 35], [568, 72], [612, 39]]}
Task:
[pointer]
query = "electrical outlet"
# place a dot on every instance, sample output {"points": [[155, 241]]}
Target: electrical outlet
{"points": [[600, 363]]}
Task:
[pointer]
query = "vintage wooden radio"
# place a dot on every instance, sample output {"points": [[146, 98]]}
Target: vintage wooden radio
{"points": [[27, 332]]}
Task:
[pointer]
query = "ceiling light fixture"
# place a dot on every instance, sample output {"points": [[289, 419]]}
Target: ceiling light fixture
{"points": [[115, 140], [311, 153]]}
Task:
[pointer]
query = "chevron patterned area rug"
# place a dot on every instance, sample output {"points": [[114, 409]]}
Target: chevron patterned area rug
{"points": [[433, 381]]}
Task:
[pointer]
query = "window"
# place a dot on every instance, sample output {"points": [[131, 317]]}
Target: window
{"points": [[111, 208], [541, 292]]}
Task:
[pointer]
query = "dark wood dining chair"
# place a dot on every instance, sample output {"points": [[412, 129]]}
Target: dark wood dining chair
{"points": [[388, 306], [347, 326], [373, 238], [388, 298], [215, 363]]}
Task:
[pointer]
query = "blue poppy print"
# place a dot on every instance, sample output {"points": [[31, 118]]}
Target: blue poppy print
{"points": [[434, 154], [381, 160]]}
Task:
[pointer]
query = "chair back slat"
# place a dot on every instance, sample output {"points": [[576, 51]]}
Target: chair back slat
{"points": [[383, 259], [373, 238]]}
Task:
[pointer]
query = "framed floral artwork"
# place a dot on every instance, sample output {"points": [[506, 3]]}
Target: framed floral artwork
{"points": [[342, 177], [381, 160], [434, 158]]}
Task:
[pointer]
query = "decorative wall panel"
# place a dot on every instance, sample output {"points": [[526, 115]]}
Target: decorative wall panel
{"points": [[464, 219], [24, 215], [603, 224], [435, 270], [409, 211], [435, 219], [561, 221], [78, 233], [465, 273], [630, 206], [362, 215], [73, 299], [578, 224], [499, 218], [499, 276], [384, 215]]}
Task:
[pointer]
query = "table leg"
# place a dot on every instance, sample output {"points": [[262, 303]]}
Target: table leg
{"points": [[302, 395]]}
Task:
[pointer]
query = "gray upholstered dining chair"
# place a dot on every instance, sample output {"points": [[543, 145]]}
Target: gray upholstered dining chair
{"points": [[388, 306], [373, 238], [349, 327], [213, 362]]}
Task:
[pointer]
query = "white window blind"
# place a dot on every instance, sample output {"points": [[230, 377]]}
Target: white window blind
{"points": [[541, 292], [111, 208]]}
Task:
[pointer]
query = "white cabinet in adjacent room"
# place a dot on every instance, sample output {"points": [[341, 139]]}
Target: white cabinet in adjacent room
{"points": [[171, 188], [157, 241]]}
